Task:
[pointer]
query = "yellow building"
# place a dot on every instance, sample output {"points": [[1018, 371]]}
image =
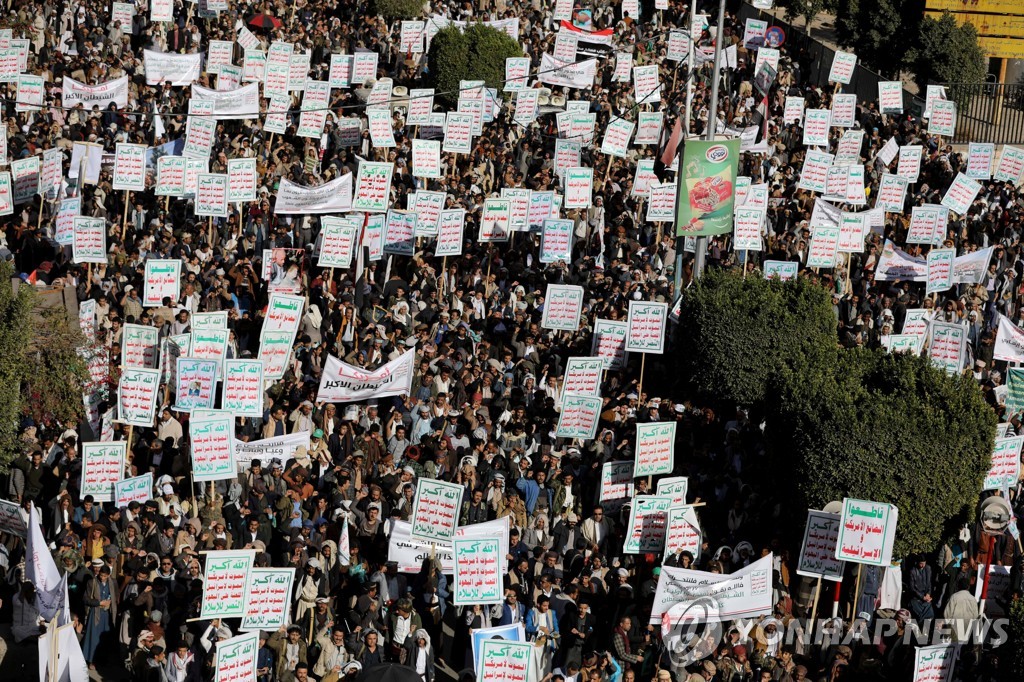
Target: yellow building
{"points": [[1000, 25]]}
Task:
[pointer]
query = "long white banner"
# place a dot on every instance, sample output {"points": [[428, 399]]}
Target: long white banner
{"points": [[571, 75], [895, 264], [178, 69], [278, 447], [243, 102], [332, 197], [343, 383], [971, 268], [745, 593], [116, 91], [409, 553]]}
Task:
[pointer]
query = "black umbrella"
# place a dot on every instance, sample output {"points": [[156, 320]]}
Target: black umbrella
{"points": [[389, 672]]}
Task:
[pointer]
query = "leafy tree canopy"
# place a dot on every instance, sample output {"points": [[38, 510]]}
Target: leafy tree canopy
{"points": [[839, 423], [478, 53], [947, 52], [15, 332], [399, 9], [735, 335], [886, 428]]}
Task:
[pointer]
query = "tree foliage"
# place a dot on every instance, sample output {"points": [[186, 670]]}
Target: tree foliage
{"points": [[735, 335], [1015, 665], [478, 53], [879, 31], [399, 9], [887, 428], [947, 52], [15, 332], [839, 423], [55, 370]]}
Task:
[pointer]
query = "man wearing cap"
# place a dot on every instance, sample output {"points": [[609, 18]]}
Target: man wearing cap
{"points": [[319, 452], [301, 418], [313, 584], [707, 672]]}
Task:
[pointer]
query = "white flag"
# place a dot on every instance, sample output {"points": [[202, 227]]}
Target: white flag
{"points": [[41, 571], [344, 551], [62, 650]]}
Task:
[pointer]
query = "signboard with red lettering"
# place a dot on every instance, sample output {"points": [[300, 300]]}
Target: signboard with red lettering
{"points": [[140, 345], [162, 281], [563, 305], [936, 663], [579, 417], [684, 533], [268, 598], [89, 241], [946, 343], [373, 187], [138, 489], [479, 569], [583, 377], [213, 448], [609, 342], [818, 551], [645, 327], [616, 482], [435, 512], [102, 467], [1005, 469], [655, 448], [236, 658], [505, 661], [242, 389], [450, 232], [137, 391], [130, 167], [648, 519], [224, 580], [556, 241], [196, 381], [867, 531]]}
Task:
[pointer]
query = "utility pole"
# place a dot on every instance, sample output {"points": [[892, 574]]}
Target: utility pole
{"points": [[709, 134]]}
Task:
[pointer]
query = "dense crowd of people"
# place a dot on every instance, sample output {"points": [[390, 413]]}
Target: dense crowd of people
{"points": [[487, 384]]}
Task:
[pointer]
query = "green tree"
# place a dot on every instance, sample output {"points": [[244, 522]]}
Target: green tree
{"points": [[478, 53], [735, 335], [946, 52], [55, 371], [880, 32], [1015, 664], [887, 428], [399, 9], [15, 332]]}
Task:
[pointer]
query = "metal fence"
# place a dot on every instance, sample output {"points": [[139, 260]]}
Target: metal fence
{"points": [[988, 112]]}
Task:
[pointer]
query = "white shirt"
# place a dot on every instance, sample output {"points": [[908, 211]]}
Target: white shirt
{"points": [[401, 629]]}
